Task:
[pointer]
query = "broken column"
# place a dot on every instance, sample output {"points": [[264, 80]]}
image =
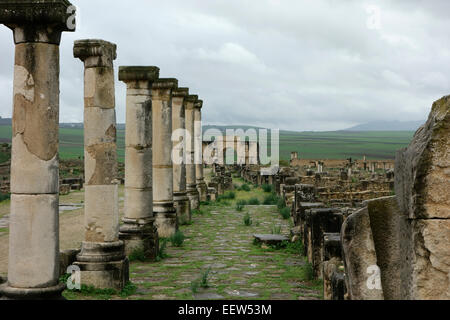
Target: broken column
{"points": [[360, 258], [180, 198], [198, 152], [102, 259], [191, 183], [138, 230], [163, 205], [33, 270], [422, 181]]}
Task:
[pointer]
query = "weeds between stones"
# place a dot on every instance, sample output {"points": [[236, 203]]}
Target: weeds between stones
{"points": [[137, 255], [285, 213], [201, 282], [276, 230], [162, 250], [177, 239], [103, 294], [270, 199], [247, 220]]}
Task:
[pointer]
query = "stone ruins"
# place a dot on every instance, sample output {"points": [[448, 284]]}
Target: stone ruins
{"points": [[371, 230]]}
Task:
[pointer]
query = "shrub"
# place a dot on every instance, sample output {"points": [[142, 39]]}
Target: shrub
{"points": [[281, 204], [230, 195], [239, 207], [285, 213], [254, 202], [137, 255], [270, 199], [247, 220], [4, 197], [245, 187], [177, 239], [267, 188]]}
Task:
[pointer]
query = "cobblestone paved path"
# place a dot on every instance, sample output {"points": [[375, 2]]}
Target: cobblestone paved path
{"points": [[217, 240]]}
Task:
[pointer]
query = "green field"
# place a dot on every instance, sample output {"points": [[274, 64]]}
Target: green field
{"points": [[310, 145], [375, 145]]}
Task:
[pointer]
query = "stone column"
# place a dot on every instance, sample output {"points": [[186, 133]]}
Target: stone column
{"points": [[163, 205], [102, 259], [180, 198], [191, 183], [138, 231], [33, 270], [198, 152]]}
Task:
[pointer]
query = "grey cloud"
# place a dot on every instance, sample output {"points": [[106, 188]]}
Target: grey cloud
{"points": [[289, 64]]}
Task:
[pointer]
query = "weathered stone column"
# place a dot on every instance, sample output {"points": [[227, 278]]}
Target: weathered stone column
{"points": [[102, 259], [33, 270], [198, 152], [138, 231], [163, 206], [191, 183], [180, 198]]}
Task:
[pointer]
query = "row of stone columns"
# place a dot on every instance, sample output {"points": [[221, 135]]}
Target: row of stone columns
{"points": [[158, 193]]}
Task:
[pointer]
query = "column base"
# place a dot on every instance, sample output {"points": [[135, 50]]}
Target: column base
{"points": [[49, 293], [183, 207], [103, 265], [140, 235], [202, 190], [165, 218], [194, 197]]}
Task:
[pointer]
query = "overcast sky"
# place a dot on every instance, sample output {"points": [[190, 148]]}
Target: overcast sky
{"points": [[287, 64]]}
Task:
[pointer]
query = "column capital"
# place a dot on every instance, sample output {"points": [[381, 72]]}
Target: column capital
{"points": [[165, 83], [95, 53], [191, 100], [198, 104], [181, 93], [138, 73], [37, 21]]}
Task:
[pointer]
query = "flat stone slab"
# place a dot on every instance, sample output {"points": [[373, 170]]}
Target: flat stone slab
{"points": [[208, 296], [270, 239]]}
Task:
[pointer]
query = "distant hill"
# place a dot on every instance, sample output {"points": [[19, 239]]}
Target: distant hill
{"points": [[388, 126]]}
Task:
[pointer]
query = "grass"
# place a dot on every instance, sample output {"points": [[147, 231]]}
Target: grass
{"points": [[162, 250], [4, 197], [247, 220], [245, 187], [201, 282], [177, 239], [267, 188], [240, 205], [285, 213], [254, 202], [276, 230], [271, 199], [138, 255]]}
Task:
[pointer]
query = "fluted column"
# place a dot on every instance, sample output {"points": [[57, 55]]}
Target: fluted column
{"points": [[33, 269], [138, 230], [102, 259], [181, 200], [163, 206], [200, 180], [191, 183]]}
